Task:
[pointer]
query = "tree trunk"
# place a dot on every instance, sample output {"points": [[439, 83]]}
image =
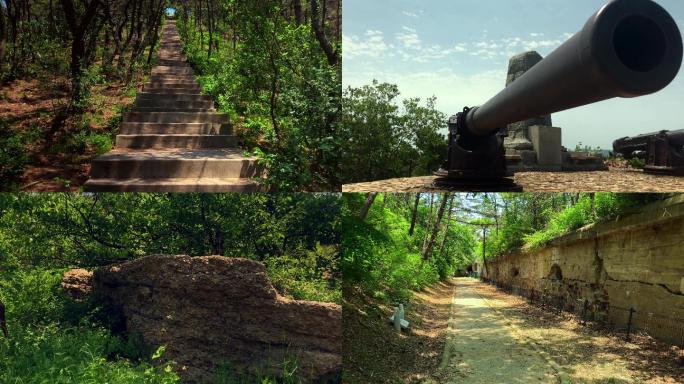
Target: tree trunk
{"points": [[318, 25], [78, 30], [427, 249], [3, 34], [370, 198], [297, 5], [414, 215], [446, 229]]}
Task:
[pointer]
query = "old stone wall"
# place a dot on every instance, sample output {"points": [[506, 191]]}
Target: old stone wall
{"points": [[215, 310], [635, 262]]}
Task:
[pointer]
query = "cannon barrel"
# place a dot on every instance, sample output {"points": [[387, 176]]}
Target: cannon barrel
{"points": [[628, 48], [627, 145]]}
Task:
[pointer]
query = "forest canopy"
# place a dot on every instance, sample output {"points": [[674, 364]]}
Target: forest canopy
{"points": [[397, 243], [295, 235], [52, 338]]}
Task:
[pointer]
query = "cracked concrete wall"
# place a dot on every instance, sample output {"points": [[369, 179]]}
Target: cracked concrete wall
{"points": [[636, 261]]}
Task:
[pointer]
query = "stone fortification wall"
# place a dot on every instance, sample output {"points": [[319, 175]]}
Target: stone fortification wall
{"points": [[632, 263], [216, 310]]}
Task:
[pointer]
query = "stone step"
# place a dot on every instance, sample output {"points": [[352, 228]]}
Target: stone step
{"points": [[152, 103], [172, 83], [176, 128], [172, 91], [175, 141], [178, 185], [182, 163], [162, 69], [173, 63], [171, 86], [165, 77], [189, 97], [176, 117], [171, 109], [173, 79]]}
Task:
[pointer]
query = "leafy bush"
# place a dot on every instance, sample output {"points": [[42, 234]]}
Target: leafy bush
{"points": [[380, 256], [44, 346], [300, 277], [280, 91], [13, 152]]}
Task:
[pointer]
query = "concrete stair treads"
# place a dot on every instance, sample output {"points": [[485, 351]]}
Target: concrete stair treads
{"points": [[161, 141], [173, 140], [172, 97], [175, 109], [178, 185], [175, 117], [151, 103], [182, 163], [176, 129]]}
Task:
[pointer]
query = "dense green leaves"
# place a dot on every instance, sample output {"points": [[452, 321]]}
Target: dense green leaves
{"points": [[382, 140], [380, 255], [53, 340], [271, 74], [531, 219], [64, 230]]}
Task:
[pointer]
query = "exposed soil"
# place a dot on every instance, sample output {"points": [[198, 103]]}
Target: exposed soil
{"points": [[31, 105], [375, 353]]}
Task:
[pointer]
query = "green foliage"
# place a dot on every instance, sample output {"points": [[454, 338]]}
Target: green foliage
{"points": [[276, 84], [382, 140], [302, 277], [637, 162], [227, 375], [586, 148], [45, 345], [379, 254], [13, 153], [286, 230], [532, 220]]}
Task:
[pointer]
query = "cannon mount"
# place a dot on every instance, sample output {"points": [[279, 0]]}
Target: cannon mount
{"points": [[663, 151], [475, 163]]}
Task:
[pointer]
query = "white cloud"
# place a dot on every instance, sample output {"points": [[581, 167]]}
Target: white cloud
{"points": [[454, 90], [372, 44], [409, 38], [410, 14]]}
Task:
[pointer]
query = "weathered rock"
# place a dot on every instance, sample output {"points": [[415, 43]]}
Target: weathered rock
{"points": [[77, 283], [518, 133], [212, 310]]}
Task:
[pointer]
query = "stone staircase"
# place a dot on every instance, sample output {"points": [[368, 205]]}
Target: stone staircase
{"points": [[174, 140]]}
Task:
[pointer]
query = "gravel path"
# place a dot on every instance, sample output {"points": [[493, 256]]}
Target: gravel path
{"points": [[481, 347], [601, 181]]}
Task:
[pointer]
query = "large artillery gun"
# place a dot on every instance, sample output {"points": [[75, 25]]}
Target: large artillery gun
{"points": [[628, 48], [662, 151]]}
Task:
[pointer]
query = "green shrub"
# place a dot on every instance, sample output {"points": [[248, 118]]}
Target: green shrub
{"points": [[300, 278], [636, 162], [53, 340], [14, 155]]}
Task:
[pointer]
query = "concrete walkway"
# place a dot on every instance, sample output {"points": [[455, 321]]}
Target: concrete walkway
{"points": [[483, 348], [174, 140]]}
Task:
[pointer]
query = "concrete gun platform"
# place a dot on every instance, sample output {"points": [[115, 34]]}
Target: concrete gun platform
{"points": [[613, 180]]}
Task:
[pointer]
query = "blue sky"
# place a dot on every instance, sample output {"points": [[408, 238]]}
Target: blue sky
{"points": [[458, 50]]}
